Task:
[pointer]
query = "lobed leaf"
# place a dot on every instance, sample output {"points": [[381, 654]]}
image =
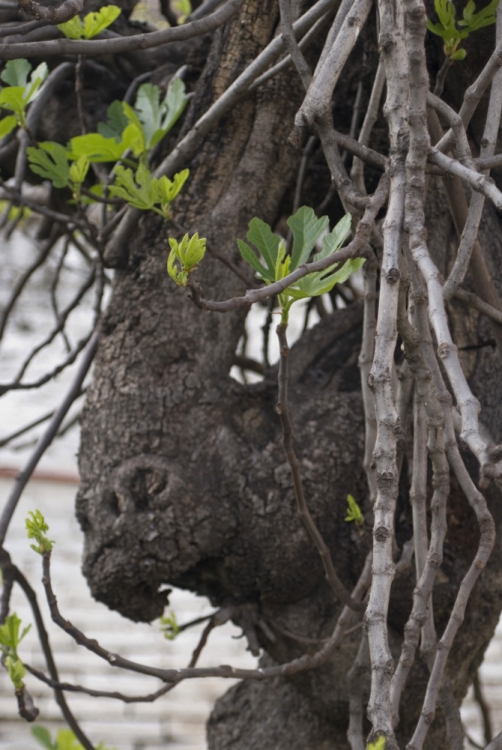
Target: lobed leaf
{"points": [[50, 161], [116, 122], [306, 229]]}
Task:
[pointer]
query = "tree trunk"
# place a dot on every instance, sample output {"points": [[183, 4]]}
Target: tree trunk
{"points": [[184, 480]]}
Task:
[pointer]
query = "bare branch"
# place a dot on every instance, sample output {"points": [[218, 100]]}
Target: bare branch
{"points": [[119, 45], [64, 12]]}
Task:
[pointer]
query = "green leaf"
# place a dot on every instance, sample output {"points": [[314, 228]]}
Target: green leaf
{"points": [[353, 511], [265, 241], [459, 54], [79, 169], [173, 105], [36, 528], [50, 161], [7, 125], [136, 190], [378, 744], [66, 740], [93, 23], [169, 626], [157, 117], [184, 8], [96, 148], [38, 76], [334, 240], [43, 737], [250, 257], [12, 97], [16, 671], [306, 229], [166, 190], [10, 638], [116, 122], [72, 29], [16, 72]]}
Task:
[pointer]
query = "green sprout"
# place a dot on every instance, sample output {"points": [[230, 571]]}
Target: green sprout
{"points": [[11, 636], [271, 262], [353, 511], [448, 26], [64, 740], [20, 92], [169, 626], [184, 257], [93, 23], [36, 528], [378, 744]]}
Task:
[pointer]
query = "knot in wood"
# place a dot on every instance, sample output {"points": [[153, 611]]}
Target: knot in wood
{"points": [[444, 350], [381, 533], [392, 275], [386, 43]]}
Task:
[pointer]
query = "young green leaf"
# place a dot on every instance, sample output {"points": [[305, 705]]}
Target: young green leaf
{"points": [[353, 511], [157, 117], [16, 671], [10, 635], [378, 744], [36, 528], [306, 229], [185, 257], [43, 737], [92, 25], [12, 97], [251, 258], [66, 740], [50, 161], [7, 125], [97, 148], [16, 72], [116, 122], [169, 626], [184, 8], [267, 243], [135, 189]]}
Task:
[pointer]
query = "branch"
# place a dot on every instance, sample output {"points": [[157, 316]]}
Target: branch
{"points": [[174, 676], [119, 45], [44, 442], [291, 44], [185, 150], [67, 10], [302, 508]]}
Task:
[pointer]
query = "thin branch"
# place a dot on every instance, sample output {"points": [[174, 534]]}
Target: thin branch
{"points": [[44, 442], [119, 45], [291, 44], [353, 249], [359, 671], [483, 707], [67, 10], [187, 147], [294, 465], [174, 676]]}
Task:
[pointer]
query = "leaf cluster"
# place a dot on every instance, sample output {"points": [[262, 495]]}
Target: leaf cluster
{"points": [[184, 257], [453, 31], [169, 626], [353, 511], [20, 92], [146, 192], [36, 528], [128, 134], [272, 263], [92, 24], [64, 740], [11, 636]]}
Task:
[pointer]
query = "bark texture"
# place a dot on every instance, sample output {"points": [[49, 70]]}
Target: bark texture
{"points": [[184, 481]]}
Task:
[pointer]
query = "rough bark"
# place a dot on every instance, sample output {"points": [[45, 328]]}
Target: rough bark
{"points": [[183, 477]]}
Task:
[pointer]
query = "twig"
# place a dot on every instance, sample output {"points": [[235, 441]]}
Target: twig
{"points": [[67, 10], [174, 676], [365, 360], [355, 679], [302, 508], [44, 442], [483, 707], [188, 145], [120, 45], [291, 44], [353, 249]]}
